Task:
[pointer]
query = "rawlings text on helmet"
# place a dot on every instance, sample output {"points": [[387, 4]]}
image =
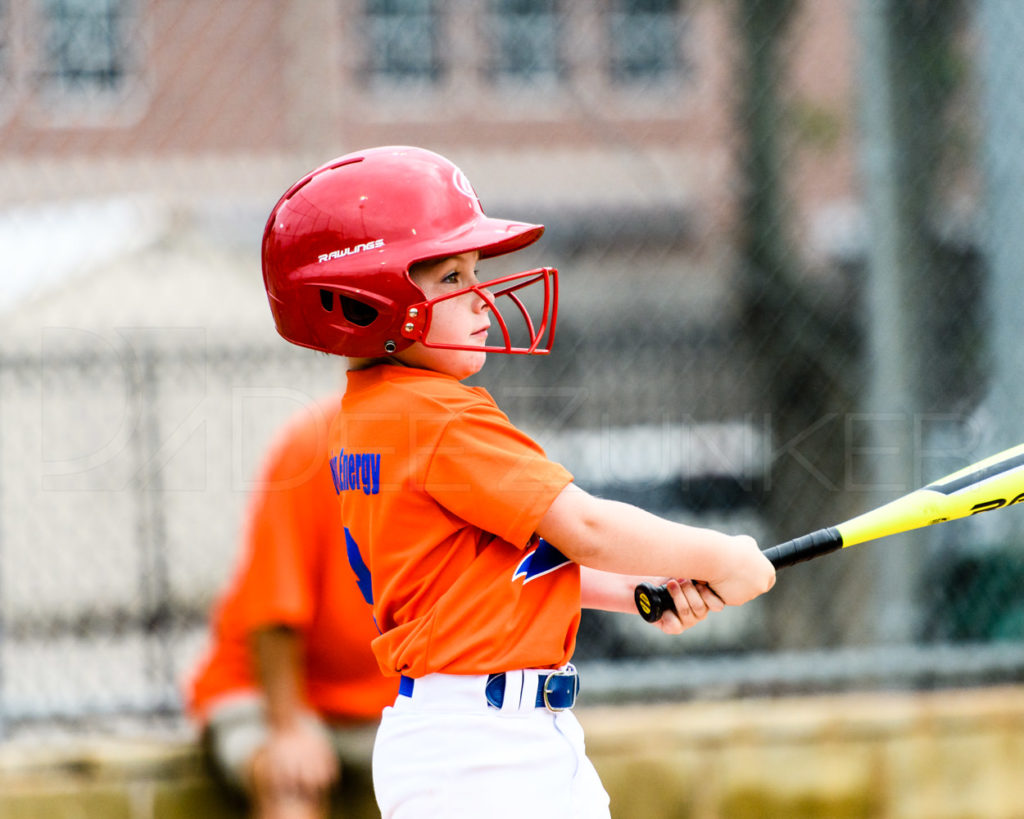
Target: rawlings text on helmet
{"points": [[348, 251]]}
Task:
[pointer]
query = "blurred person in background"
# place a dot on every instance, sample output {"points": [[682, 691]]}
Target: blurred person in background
{"points": [[289, 681]]}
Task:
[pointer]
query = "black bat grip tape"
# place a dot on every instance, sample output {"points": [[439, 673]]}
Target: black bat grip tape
{"points": [[653, 601], [804, 548]]}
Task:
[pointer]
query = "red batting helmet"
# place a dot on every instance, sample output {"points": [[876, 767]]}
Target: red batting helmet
{"points": [[338, 246]]}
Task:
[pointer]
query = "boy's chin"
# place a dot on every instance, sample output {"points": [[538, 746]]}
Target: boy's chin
{"points": [[459, 364], [462, 364], [469, 364]]}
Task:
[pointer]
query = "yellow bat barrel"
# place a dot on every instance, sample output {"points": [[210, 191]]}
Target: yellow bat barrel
{"points": [[989, 484]]}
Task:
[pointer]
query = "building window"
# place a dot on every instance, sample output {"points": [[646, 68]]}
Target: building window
{"points": [[644, 38], [525, 37], [403, 41], [86, 46], [488, 47]]}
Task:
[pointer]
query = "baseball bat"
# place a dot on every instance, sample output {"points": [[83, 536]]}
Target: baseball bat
{"points": [[993, 483]]}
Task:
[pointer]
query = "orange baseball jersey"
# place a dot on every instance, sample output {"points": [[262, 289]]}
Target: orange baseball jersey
{"points": [[295, 572], [440, 498]]}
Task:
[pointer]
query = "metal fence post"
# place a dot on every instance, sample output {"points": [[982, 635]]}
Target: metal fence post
{"points": [[893, 320], [1002, 73]]}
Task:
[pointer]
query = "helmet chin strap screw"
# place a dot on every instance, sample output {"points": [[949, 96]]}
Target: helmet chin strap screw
{"points": [[390, 346], [413, 312]]}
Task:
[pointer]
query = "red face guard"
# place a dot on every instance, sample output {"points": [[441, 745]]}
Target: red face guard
{"points": [[418, 316]]}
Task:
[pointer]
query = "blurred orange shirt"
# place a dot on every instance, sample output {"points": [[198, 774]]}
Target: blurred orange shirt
{"points": [[440, 498], [295, 572]]}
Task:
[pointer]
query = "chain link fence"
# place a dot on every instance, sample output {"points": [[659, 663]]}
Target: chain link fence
{"points": [[787, 238]]}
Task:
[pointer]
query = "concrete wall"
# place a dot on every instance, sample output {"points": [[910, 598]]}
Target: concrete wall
{"points": [[919, 756]]}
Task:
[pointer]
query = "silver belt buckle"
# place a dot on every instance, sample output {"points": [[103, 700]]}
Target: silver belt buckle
{"points": [[568, 671]]}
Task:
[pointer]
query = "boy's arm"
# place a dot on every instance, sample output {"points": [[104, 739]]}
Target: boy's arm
{"points": [[608, 591], [623, 539], [614, 592]]}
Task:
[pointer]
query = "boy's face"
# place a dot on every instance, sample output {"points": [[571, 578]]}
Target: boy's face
{"points": [[463, 320]]}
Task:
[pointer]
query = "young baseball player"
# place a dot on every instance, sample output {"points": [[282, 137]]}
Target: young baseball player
{"points": [[476, 551], [289, 681]]}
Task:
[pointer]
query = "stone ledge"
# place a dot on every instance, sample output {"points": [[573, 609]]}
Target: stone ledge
{"points": [[941, 755]]}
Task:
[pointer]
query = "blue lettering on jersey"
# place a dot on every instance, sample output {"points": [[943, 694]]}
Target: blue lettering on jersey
{"points": [[356, 470], [540, 561], [362, 572]]}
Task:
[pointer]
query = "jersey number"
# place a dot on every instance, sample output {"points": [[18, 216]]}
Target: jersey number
{"points": [[355, 560]]}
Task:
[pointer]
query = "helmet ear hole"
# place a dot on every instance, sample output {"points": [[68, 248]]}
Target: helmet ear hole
{"points": [[357, 312]]}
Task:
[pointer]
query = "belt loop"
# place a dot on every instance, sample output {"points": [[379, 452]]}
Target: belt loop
{"points": [[514, 681]]}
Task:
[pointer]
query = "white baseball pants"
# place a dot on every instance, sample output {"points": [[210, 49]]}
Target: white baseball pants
{"points": [[443, 751]]}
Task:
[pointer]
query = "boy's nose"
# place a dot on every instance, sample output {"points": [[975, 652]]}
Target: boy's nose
{"points": [[480, 304]]}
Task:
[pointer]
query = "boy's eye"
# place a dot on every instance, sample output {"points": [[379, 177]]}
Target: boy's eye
{"points": [[451, 278]]}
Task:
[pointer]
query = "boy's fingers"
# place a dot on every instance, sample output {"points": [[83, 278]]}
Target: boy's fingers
{"points": [[698, 607], [711, 600]]}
